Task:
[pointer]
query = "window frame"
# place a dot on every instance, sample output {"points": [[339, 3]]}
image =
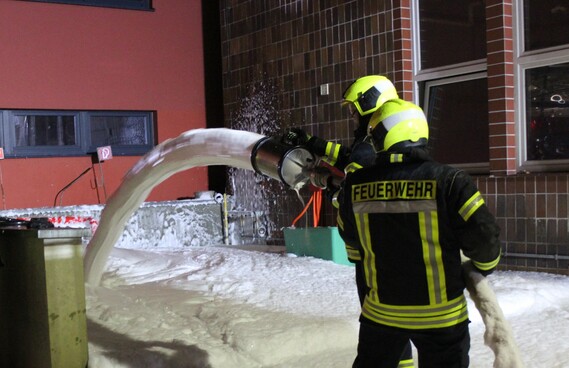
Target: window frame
{"points": [[474, 167], [525, 60], [422, 78], [9, 141], [83, 144], [145, 5]]}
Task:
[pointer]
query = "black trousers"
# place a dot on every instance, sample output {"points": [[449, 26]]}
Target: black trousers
{"points": [[407, 354], [381, 346]]}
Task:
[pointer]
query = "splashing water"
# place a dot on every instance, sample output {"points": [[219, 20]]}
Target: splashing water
{"points": [[258, 111], [194, 148]]}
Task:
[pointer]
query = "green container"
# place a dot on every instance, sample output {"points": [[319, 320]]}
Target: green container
{"points": [[42, 298], [319, 242]]}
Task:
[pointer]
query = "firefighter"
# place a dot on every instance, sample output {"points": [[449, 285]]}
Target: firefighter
{"points": [[363, 97], [410, 218]]}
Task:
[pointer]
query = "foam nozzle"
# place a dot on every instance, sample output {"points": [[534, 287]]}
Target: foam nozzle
{"points": [[289, 164]]}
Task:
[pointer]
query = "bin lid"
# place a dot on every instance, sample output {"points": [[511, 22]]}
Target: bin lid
{"points": [[32, 223]]}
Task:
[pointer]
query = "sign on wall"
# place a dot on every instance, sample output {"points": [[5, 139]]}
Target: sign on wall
{"points": [[104, 153]]}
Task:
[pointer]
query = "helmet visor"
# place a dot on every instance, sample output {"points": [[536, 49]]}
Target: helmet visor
{"points": [[368, 100]]}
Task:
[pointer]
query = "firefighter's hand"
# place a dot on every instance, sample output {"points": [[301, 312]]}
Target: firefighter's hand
{"points": [[295, 137]]}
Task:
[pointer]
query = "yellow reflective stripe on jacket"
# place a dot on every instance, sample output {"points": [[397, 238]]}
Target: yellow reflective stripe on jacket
{"points": [[407, 363], [394, 119], [417, 317], [395, 206], [362, 223], [485, 266], [432, 256], [471, 206], [411, 196], [331, 153]]}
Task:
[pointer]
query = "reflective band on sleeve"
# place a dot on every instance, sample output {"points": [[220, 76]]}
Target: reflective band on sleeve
{"points": [[407, 363], [353, 253], [396, 157], [340, 221], [352, 166], [485, 266], [471, 206], [332, 152]]}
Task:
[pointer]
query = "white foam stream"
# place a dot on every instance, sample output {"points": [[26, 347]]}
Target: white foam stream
{"points": [[204, 147], [194, 148]]}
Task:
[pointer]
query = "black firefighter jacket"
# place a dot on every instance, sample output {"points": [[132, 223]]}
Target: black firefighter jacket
{"points": [[408, 218]]}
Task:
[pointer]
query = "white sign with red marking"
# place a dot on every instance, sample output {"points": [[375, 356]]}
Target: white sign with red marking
{"points": [[104, 153]]}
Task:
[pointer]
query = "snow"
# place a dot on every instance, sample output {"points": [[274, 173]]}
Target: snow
{"points": [[215, 306]]}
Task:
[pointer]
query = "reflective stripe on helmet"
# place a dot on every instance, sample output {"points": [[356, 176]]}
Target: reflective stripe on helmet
{"points": [[397, 121], [384, 85]]}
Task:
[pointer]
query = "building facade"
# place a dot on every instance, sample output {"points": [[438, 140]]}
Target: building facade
{"points": [[490, 76], [126, 74]]}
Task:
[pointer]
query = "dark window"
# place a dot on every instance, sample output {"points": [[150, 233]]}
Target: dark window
{"points": [[121, 131], [451, 32], [122, 4], [457, 111], [33, 133], [44, 130], [547, 112], [546, 23]]}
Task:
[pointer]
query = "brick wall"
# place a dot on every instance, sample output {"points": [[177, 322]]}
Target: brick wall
{"points": [[500, 69], [277, 54], [532, 211], [284, 51]]}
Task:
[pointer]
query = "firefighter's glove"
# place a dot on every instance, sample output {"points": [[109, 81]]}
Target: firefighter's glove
{"points": [[295, 137]]}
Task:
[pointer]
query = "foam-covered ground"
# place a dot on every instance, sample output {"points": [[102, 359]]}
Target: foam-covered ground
{"points": [[225, 307]]}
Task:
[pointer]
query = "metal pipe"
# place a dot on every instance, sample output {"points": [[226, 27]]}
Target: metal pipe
{"points": [[537, 256], [225, 221]]}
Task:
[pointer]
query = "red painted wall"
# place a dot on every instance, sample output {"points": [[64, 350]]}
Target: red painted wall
{"points": [[56, 56]]}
